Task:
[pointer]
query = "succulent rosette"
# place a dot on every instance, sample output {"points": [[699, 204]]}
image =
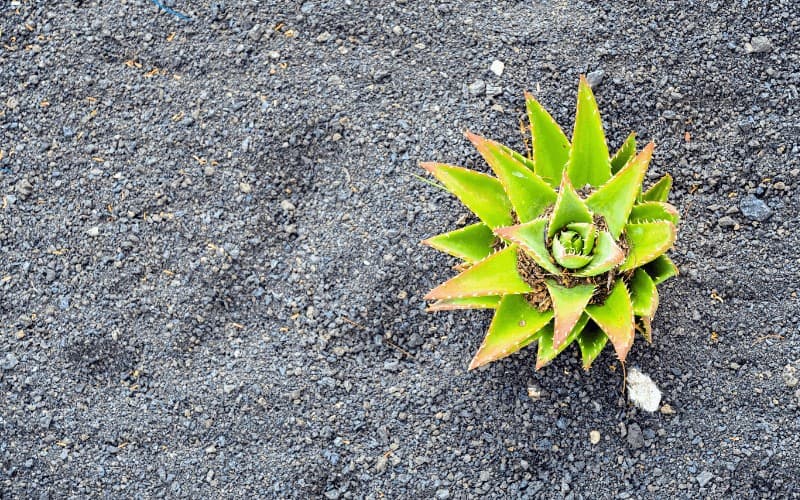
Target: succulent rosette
{"points": [[569, 248]]}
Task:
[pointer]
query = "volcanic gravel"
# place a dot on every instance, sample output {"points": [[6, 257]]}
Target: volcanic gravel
{"points": [[210, 272]]}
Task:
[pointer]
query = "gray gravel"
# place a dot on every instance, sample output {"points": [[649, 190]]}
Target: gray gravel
{"points": [[210, 276], [755, 209]]}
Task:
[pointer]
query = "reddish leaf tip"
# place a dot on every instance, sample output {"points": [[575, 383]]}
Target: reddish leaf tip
{"points": [[430, 166], [473, 137], [475, 363]]}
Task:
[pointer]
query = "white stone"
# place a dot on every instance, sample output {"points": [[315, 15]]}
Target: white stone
{"points": [[497, 67], [534, 392], [642, 391], [594, 437]]}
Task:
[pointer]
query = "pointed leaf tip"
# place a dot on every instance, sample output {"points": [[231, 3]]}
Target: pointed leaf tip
{"points": [[548, 350], [624, 153], [488, 302], [495, 275], [429, 166], [660, 190], [471, 243], [474, 138], [568, 306], [514, 322], [614, 200], [550, 144], [591, 341], [528, 193], [481, 193], [569, 208], [615, 318], [588, 161]]}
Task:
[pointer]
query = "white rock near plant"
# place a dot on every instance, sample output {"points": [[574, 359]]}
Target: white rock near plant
{"points": [[497, 67], [642, 391]]}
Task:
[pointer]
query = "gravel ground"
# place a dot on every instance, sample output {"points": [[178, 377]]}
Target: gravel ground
{"points": [[210, 271]]}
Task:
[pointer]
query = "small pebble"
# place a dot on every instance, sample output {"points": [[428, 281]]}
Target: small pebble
{"points": [[758, 44], [594, 78], [534, 392], [594, 437], [497, 67], [726, 222], [703, 478], [476, 88], [635, 437], [754, 208], [255, 32], [24, 188], [9, 362], [493, 90]]}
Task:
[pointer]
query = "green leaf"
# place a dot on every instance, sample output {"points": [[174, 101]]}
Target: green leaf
{"points": [[488, 302], [471, 243], [528, 193], [650, 211], [519, 157], [481, 193], [531, 238], [569, 208], [624, 153], [615, 318], [615, 199], [592, 340], [550, 145], [646, 241], [494, 275], [661, 269], [588, 161], [568, 260], [607, 255], [568, 305], [660, 190], [644, 295], [514, 322], [547, 350]]}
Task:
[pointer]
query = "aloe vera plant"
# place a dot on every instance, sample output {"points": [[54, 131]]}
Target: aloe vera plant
{"points": [[569, 248]]}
